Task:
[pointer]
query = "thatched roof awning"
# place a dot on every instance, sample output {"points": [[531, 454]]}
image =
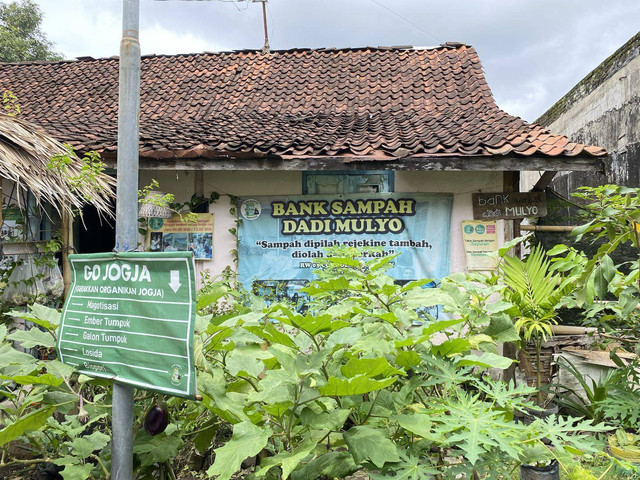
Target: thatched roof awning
{"points": [[25, 152]]}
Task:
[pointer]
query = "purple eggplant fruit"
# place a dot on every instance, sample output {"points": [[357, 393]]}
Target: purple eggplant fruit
{"points": [[156, 420]]}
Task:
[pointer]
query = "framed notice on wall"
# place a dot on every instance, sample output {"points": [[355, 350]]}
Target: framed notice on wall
{"points": [[176, 234]]}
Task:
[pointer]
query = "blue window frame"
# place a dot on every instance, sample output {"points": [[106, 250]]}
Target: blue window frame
{"points": [[327, 183]]}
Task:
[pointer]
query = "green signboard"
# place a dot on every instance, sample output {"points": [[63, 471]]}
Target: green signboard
{"points": [[129, 317]]}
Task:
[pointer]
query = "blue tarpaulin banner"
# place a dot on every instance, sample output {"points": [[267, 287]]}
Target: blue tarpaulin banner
{"points": [[281, 238]]}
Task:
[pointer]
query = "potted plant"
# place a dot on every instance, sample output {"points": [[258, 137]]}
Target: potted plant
{"points": [[534, 292], [549, 446]]}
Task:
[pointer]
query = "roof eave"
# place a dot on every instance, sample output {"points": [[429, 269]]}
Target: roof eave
{"points": [[231, 161]]}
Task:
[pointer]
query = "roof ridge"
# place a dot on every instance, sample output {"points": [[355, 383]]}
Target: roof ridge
{"points": [[89, 58]]}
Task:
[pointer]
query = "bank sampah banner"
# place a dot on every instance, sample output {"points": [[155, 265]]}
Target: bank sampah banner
{"points": [[281, 238]]}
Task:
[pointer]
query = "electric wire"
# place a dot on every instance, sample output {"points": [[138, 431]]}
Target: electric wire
{"points": [[407, 20]]}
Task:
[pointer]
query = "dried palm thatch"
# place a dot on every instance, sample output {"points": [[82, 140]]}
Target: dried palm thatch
{"points": [[25, 152]]}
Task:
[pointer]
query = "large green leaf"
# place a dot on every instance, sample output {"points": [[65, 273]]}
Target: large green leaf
{"points": [[204, 438], [502, 330], [371, 367], [270, 333], [312, 324], [218, 336], [452, 347], [417, 423], [64, 401], [438, 326], [57, 368], [289, 461], [329, 465], [368, 443], [247, 441], [77, 472], [46, 317], [408, 359], [247, 361], [14, 362], [326, 419], [83, 447], [488, 360], [46, 379], [33, 338], [337, 387], [156, 449], [32, 421], [211, 296], [227, 405]]}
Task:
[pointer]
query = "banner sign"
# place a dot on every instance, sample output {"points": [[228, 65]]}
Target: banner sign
{"points": [[177, 235], [510, 205], [280, 238], [129, 317], [480, 240]]}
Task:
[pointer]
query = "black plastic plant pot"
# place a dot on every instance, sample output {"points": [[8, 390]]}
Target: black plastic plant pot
{"points": [[528, 416], [548, 472]]}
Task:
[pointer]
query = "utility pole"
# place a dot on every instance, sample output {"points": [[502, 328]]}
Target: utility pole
{"points": [[126, 215], [266, 48]]}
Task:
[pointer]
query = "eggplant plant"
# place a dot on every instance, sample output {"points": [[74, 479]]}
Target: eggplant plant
{"points": [[364, 379]]}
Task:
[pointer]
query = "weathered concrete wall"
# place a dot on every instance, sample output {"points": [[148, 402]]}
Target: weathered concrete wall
{"points": [[604, 110], [245, 183]]}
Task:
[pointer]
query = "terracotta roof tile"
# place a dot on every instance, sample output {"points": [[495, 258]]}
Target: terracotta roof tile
{"points": [[378, 102]]}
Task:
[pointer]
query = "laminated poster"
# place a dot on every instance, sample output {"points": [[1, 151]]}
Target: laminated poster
{"points": [[175, 235], [480, 240]]}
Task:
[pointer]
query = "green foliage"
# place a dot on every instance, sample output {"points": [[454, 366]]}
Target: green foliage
{"points": [[91, 169], [21, 38], [535, 292], [367, 369], [10, 103], [365, 379]]}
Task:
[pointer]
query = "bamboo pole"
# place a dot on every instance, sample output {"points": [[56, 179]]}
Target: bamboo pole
{"points": [[67, 247]]}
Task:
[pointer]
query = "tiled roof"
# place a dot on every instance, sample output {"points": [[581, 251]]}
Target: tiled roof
{"points": [[369, 102]]}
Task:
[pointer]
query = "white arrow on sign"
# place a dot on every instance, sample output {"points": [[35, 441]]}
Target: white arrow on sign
{"points": [[175, 280]]}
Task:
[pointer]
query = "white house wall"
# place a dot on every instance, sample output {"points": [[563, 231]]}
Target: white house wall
{"points": [[252, 183]]}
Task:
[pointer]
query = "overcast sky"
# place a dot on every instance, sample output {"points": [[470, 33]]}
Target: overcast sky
{"points": [[533, 51]]}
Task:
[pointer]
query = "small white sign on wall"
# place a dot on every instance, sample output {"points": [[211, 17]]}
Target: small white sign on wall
{"points": [[480, 241]]}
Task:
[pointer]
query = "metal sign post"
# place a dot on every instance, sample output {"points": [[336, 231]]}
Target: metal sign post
{"points": [[126, 215]]}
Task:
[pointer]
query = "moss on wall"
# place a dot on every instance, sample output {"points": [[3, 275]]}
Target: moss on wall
{"points": [[593, 80]]}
